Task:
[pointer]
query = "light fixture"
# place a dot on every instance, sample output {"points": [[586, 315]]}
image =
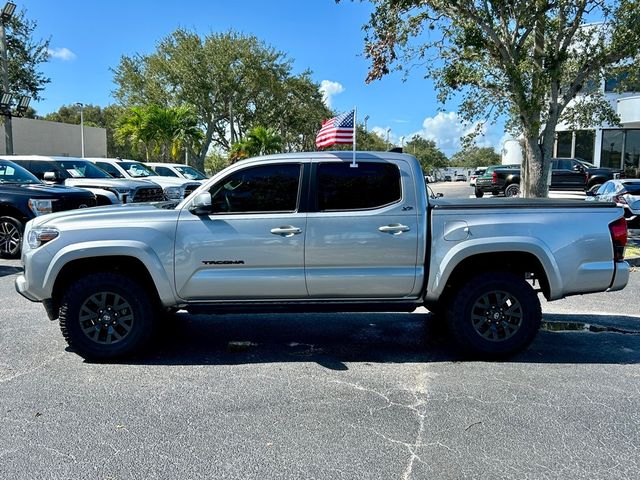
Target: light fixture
{"points": [[23, 103], [7, 11], [5, 100]]}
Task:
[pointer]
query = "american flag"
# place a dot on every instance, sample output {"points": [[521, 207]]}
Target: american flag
{"points": [[337, 130]]}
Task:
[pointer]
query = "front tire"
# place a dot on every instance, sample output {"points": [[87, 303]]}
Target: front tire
{"points": [[494, 315], [104, 316], [10, 237], [479, 193]]}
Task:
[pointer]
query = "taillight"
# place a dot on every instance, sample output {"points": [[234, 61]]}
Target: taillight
{"points": [[618, 231], [494, 177]]}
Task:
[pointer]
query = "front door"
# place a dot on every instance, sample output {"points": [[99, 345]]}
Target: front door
{"points": [[252, 244]]}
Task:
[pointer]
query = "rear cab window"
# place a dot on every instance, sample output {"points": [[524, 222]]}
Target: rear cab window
{"points": [[372, 185]]}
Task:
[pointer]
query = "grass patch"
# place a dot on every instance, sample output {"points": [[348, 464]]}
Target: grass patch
{"points": [[632, 251]]}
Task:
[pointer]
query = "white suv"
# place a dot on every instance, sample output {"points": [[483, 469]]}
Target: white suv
{"points": [[177, 170], [174, 188]]}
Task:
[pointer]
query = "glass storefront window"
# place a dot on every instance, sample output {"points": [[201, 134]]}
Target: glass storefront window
{"points": [[632, 153], [611, 153], [563, 145], [585, 141]]}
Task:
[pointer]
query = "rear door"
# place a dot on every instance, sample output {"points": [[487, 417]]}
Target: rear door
{"points": [[362, 232], [252, 244]]}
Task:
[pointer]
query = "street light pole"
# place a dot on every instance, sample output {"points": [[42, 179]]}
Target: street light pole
{"points": [[366, 117], [81, 106], [7, 13]]}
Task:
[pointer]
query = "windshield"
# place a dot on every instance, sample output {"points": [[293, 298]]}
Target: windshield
{"points": [[12, 173], [82, 169], [190, 173], [137, 170]]}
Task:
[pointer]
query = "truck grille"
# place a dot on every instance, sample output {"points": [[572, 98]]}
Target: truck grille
{"points": [[62, 204], [148, 194]]}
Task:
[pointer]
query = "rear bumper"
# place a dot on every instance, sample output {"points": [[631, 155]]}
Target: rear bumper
{"points": [[620, 276]]}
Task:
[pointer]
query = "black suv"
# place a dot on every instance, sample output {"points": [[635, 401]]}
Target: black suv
{"points": [[23, 197]]}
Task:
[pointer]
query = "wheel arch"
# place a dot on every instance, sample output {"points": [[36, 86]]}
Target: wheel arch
{"points": [[7, 210], [526, 259], [146, 271]]}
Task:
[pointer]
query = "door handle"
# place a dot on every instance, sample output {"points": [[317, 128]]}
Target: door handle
{"points": [[394, 228], [286, 231]]}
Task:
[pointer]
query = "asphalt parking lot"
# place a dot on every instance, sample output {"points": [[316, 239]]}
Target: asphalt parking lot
{"points": [[318, 396], [380, 396]]}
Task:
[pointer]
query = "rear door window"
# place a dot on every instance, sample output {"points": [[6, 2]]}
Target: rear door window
{"points": [[371, 185]]}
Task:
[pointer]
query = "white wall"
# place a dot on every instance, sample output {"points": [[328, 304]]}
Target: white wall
{"points": [[41, 137]]}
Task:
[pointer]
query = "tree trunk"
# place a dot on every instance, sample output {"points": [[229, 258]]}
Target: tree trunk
{"points": [[534, 171]]}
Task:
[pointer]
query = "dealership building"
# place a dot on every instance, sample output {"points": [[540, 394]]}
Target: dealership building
{"points": [[41, 137], [606, 145]]}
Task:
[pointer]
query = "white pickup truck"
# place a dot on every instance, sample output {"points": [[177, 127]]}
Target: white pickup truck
{"points": [[309, 232]]}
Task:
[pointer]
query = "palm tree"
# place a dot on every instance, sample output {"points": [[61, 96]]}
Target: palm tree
{"points": [[263, 141], [164, 132]]}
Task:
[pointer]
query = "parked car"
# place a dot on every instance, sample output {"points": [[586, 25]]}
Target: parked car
{"points": [[447, 178], [24, 197], [306, 232], [460, 177], [625, 193], [178, 170], [79, 172], [566, 174], [174, 188], [477, 173]]}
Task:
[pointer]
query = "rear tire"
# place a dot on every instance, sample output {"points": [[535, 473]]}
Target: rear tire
{"points": [[512, 190], [104, 316], [595, 187], [494, 315], [10, 237], [479, 193]]}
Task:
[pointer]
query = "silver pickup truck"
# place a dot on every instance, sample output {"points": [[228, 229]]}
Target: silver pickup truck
{"points": [[309, 232]]}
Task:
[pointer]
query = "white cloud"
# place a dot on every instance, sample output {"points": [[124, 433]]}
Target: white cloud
{"points": [[329, 89], [447, 130], [63, 54]]}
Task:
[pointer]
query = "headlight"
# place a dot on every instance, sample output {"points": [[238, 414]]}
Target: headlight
{"points": [[173, 193], [40, 207], [40, 236]]}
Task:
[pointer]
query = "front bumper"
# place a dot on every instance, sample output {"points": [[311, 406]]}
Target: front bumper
{"points": [[22, 288]]}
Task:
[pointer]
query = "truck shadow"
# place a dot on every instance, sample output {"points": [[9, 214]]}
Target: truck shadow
{"points": [[9, 270], [333, 340]]}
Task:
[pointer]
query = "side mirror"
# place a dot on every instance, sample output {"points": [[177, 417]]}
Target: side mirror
{"points": [[51, 176], [201, 205]]}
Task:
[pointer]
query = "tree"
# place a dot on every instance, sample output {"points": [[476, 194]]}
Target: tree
{"points": [[529, 60], [233, 82], [259, 141], [25, 55], [474, 156], [161, 132], [427, 153]]}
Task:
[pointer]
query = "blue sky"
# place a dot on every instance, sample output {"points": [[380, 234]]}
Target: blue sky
{"points": [[88, 38]]}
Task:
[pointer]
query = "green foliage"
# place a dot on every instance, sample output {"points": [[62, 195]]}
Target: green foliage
{"points": [[259, 141], [161, 133], [215, 162], [233, 82], [527, 60], [427, 153], [25, 55], [473, 156]]}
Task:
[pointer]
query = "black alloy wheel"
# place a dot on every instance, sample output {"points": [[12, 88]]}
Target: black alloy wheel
{"points": [[494, 315], [106, 316]]}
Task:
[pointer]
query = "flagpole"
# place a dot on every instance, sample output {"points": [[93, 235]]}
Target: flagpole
{"points": [[355, 129]]}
